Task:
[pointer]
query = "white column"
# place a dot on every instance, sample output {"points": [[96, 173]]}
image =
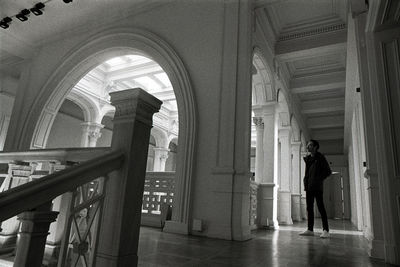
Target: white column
{"points": [[284, 198], [303, 193], [160, 157], [296, 182], [268, 196], [6, 105], [90, 133], [258, 121]]}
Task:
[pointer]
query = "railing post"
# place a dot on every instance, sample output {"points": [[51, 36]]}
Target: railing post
{"points": [[120, 222], [32, 236]]}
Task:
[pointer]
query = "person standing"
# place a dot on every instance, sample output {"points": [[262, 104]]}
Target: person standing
{"points": [[317, 170]]}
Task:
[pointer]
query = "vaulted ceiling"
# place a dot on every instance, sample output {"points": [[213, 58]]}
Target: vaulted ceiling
{"points": [[310, 45]]}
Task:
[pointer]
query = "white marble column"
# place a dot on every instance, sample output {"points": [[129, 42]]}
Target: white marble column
{"points": [[90, 133], [160, 157], [296, 182], [258, 121], [303, 202], [285, 195], [268, 195]]}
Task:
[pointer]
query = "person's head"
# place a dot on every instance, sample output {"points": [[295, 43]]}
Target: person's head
{"points": [[312, 146]]}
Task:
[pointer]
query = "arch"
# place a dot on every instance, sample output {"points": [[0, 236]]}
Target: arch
{"points": [[262, 84], [103, 46], [90, 110], [160, 137], [295, 128]]}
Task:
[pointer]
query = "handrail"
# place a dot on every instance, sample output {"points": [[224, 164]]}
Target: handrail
{"points": [[33, 194], [62, 155]]}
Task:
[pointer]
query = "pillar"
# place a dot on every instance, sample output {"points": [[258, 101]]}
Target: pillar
{"points": [[90, 133], [258, 121], [122, 208], [6, 105], [268, 195], [285, 195], [18, 174], [32, 236], [303, 193], [160, 158], [296, 182]]}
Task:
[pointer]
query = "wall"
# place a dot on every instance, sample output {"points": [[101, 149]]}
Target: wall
{"points": [[8, 88], [222, 143]]}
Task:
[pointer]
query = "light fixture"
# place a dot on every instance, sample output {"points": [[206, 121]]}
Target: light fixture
{"points": [[23, 15], [37, 9], [5, 22], [67, 1]]}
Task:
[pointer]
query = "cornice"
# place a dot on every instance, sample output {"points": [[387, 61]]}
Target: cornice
{"points": [[312, 32]]}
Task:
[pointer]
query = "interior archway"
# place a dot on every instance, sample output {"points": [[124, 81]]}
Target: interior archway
{"points": [[100, 48]]}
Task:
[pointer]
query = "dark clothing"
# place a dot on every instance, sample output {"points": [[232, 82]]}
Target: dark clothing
{"points": [[317, 169], [318, 195]]}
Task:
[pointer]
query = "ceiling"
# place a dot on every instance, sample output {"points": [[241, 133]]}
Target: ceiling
{"points": [[131, 71], [311, 49]]}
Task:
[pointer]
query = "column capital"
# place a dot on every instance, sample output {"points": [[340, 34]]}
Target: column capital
{"points": [[258, 121], [134, 104]]}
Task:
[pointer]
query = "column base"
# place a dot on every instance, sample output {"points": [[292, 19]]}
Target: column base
{"points": [[303, 208], [266, 206], [296, 207], [377, 249], [284, 208]]}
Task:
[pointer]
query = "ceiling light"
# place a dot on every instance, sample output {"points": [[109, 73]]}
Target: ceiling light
{"points": [[67, 1], [23, 15], [5, 22], [37, 9]]}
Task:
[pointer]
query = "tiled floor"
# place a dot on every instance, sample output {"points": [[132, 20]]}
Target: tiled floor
{"points": [[345, 248]]}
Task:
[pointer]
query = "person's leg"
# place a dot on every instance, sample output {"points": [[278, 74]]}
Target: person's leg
{"points": [[321, 208], [310, 209]]}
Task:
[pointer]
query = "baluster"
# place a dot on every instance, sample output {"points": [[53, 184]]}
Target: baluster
{"points": [[32, 236]]}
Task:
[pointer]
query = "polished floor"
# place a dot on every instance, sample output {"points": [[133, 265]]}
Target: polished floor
{"points": [[283, 247]]}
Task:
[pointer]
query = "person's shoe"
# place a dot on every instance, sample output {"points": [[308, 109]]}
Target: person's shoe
{"points": [[307, 233], [325, 234]]}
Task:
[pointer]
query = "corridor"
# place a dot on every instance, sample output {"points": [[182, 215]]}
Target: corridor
{"points": [[345, 248]]}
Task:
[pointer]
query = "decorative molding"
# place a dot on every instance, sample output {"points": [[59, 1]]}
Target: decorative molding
{"points": [[391, 65], [320, 30]]}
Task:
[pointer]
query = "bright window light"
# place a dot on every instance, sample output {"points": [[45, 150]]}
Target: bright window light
{"points": [[115, 61], [138, 58], [148, 83], [163, 77]]}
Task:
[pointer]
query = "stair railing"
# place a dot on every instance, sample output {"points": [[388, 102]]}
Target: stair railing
{"points": [[124, 168]]}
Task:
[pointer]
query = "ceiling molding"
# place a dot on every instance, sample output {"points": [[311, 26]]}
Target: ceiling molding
{"points": [[316, 31], [317, 88]]}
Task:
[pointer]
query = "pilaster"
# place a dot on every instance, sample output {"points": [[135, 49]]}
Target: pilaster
{"points": [[258, 121], [285, 198]]}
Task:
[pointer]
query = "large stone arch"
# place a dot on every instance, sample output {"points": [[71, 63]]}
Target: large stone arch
{"points": [[101, 47], [263, 84]]}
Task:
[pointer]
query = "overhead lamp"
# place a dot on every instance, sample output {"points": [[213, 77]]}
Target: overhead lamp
{"points": [[37, 9], [23, 15], [5, 22], [67, 1]]}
